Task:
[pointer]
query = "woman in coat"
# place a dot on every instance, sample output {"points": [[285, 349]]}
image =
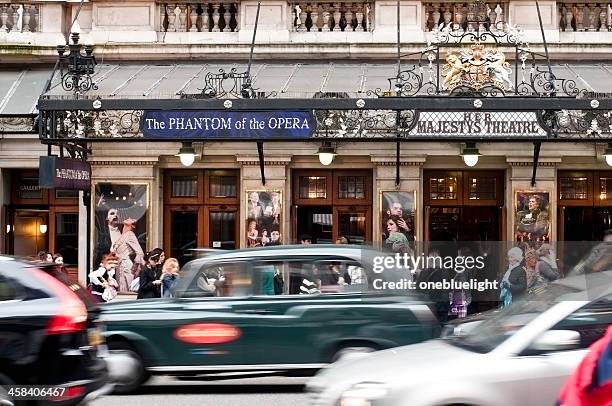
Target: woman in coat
{"points": [[150, 283]]}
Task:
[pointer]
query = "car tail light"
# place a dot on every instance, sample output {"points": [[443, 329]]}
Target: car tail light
{"points": [[68, 393], [207, 333], [72, 316]]}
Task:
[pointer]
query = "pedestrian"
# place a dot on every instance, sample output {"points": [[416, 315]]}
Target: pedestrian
{"points": [[150, 283], [45, 256], [536, 284], [169, 277], [547, 263], [514, 281], [103, 285], [342, 240], [58, 260], [305, 239], [591, 382]]}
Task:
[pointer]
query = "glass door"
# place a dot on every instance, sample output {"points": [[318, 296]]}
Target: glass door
{"points": [[222, 228], [354, 223], [182, 230]]}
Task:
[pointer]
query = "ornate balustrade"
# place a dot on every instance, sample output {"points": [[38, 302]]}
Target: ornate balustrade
{"points": [[463, 16], [332, 17], [19, 17], [200, 17], [585, 16]]}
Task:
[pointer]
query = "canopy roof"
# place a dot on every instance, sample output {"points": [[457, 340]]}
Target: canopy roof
{"points": [[22, 88]]}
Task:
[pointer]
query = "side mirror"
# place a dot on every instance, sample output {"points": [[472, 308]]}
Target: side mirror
{"points": [[557, 340]]}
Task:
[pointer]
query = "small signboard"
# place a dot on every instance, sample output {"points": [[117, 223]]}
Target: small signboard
{"points": [[220, 124], [64, 173]]}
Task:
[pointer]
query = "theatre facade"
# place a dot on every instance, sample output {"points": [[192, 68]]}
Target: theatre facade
{"points": [[221, 153]]}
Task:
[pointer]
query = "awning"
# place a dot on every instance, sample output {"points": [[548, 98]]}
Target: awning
{"points": [[278, 80]]}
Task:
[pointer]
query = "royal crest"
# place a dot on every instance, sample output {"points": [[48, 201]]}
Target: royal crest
{"points": [[476, 68]]}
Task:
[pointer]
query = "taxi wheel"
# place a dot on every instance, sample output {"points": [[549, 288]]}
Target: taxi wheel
{"points": [[140, 376], [355, 351]]}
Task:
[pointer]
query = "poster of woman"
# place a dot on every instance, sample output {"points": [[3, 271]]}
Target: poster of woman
{"points": [[532, 219], [264, 209], [121, 228], [397, 214]]}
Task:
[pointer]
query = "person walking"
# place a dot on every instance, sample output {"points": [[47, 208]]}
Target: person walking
{"points": [[169, 277], [514, 281], [150, 283]]}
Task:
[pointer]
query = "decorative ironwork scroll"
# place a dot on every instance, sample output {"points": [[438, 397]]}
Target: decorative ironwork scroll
{"points": [[364, 123], [466, 60], [76, 69]]}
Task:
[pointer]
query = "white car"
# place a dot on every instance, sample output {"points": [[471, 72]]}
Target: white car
{"points": [[518, 356]]}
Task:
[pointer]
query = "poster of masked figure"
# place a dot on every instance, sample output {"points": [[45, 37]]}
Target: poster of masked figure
{"points": [[532, 221], [397, 214], [264, 209], [121, 228]]}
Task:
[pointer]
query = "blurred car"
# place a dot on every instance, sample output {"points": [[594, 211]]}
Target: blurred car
{"points": [[240, 312], [49, 333], [520, 355]]}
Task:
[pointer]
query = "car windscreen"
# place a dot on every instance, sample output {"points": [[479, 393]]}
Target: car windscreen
{"points": [[497, 328]]}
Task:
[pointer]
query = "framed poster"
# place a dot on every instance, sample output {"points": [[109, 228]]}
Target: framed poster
{"points": [[532, 217], [397, 219], [121, 212], [264, 210]]}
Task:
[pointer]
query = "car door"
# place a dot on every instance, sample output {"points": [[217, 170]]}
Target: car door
{"points": [[204, 330], [543, 375], [296, 327]]}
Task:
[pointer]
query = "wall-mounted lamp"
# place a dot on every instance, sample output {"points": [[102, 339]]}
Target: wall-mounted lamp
{"points": [[8, 228], [470, 154], [42, 228], [608, 154], [327, 153], [187, 154]]}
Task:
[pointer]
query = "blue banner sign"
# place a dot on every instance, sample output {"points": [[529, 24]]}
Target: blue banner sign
{"points": [[220, 124]]}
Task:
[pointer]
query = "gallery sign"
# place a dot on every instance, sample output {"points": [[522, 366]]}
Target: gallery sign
{"points": [[221, 124], [64, 173], [478, 124]]}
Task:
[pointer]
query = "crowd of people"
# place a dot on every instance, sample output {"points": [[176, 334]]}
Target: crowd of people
{"points": [[156, 279]]}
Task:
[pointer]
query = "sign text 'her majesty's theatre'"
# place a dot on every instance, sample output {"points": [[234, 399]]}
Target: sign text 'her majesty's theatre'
{"points": [[221, 124], [477, 124]]}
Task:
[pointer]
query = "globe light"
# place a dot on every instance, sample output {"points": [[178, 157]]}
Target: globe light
{"points": [[187, 154], [327, 153], [470, 154], [608, 154]]}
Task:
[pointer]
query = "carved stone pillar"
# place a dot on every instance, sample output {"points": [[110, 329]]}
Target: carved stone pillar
{"points": [[337, 15], [15, 17], [193, 18], [226, 17], [348, 16], [216, 16], [580, 17], [4, 17], [171, 19], [359, 17], [26, 18]]}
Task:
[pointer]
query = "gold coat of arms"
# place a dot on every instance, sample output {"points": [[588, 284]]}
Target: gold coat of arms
{"points": [[476, 68]]}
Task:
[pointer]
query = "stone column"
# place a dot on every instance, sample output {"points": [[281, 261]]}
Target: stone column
{"points": [[83, 269], [277, 178]]}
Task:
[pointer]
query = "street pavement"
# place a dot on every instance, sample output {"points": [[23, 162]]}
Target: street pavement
{"points": [[161, 391]]}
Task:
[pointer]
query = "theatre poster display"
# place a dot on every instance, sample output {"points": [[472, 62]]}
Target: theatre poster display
{"points": [[532, 216], [397, 214], [121, 212], [264, 209]]}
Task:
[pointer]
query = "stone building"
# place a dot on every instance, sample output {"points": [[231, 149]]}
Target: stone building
{"points": [[152, 50]]}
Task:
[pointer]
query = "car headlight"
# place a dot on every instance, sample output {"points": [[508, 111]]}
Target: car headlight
{"points": [[363, 394]]}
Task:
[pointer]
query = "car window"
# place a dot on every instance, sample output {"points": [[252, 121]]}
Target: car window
{"points": [[591, 321], [307, 276], [220, 280], [8, 290]]}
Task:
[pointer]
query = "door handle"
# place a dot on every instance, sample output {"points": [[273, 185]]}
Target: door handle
{"points": [[254, 311]]}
